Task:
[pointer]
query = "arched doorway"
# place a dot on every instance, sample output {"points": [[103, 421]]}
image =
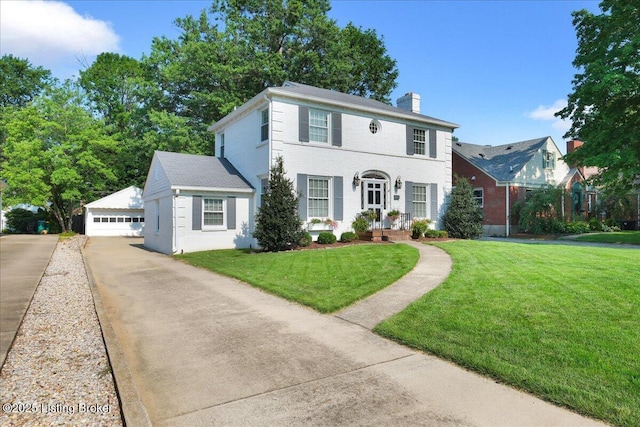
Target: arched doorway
{"points": [[375, 192]]}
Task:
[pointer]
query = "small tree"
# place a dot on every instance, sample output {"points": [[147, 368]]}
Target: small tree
{"points": [[278, 225], [541, 212], [463, 218]]}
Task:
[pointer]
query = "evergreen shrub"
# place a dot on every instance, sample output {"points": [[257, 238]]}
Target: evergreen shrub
{"points": [[326, 238]]}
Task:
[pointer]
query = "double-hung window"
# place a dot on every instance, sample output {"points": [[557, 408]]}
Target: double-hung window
{"points": [[419, 201], [264, 125], [548, 159], [478, 194], [318, 126], [222, 145], [213, 212], [419, 141], [318, 197]]}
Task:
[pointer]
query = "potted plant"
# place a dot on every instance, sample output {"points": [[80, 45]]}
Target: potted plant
{"points": [[393, 216]]}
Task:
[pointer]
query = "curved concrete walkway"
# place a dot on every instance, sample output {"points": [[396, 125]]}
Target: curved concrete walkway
{"points": [[432, 268], [203, 349]]}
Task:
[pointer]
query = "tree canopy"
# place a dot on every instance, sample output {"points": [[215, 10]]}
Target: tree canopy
{"points": [[20, 81], [57, 154], [604, 106]]}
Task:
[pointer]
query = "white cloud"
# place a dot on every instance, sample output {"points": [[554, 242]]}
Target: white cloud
{"points": [[52, 33], [547, 113]]}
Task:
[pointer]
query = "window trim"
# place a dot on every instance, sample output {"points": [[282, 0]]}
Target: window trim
{"points": [[329, 197], [481, 198], [222, 144], [426, 204], [327, 128], [548, 159], [222, 226], [264, 125], [420, 143]]}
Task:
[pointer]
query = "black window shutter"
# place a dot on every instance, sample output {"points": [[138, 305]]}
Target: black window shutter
{"points": [[196, 214], [231, 213], [434, 202], [336, 129], [410, 148], [302, 190], [408, 196], [362, 191], [433, 148], [303, 123], [338, 198]]}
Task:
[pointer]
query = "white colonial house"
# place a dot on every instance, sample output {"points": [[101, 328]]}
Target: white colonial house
{"points": [[345, 153], [118, 214]]}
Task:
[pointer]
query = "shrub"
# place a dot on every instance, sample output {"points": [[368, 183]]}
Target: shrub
{"points": [[442, 234], [361, 223], [306, 239], [595, 225], [419, 227], [463, 218], [326, 238], [348, 236], [540, 212], [431, 233], [577, 227]]}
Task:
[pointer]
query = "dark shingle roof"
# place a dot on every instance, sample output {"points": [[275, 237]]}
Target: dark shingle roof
{"points": [[189, 170], [359, 101], [501, 162]]}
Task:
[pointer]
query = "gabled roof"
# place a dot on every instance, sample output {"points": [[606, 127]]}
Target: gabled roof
{"points": [[331, 97], [128, 198], [194, 171], [502, 162]]}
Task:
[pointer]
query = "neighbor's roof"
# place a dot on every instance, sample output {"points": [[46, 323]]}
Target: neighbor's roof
{"points": [[331, 97], [128, 198], [502, 162], [190, 170]]}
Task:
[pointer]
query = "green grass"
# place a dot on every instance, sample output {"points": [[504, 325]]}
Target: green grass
{"points": [[624, 237], [562, 322], [325, 279]]}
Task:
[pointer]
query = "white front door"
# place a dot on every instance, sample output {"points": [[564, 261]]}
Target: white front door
{"points": [[375, 196]]}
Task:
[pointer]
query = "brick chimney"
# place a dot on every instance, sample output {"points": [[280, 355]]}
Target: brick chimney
{"points": [[573, 145], [410, 102]]}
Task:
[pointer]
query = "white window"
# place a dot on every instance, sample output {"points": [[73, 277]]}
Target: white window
{"points": [[419, 141], [157, 212], [212, 212], [478, 193], [264, 187], [222, 145], [548, 159], [264, 125], [419, 201], [318, 197], [318, 126]]}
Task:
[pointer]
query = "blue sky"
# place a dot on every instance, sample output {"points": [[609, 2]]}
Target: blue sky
{"points": [[497, 68]]}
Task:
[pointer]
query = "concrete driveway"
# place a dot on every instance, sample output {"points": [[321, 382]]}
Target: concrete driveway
{"points": [[202, 349], [23, 259]]}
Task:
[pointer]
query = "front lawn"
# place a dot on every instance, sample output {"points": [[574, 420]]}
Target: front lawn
{"points": [[624, 237], [325, 279], [561, 322]]}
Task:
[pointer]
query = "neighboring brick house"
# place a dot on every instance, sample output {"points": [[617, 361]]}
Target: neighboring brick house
{"points": [[503, 174], [345, 154]]}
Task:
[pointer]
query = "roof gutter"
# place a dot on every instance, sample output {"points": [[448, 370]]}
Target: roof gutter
{"points": [[214, 189]]}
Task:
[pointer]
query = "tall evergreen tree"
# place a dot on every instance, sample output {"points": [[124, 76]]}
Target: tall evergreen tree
{"points": [[463, 218], [278, 225]]}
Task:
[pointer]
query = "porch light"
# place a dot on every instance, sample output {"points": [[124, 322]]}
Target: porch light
{"points": [[398, 182], [356, 179]]}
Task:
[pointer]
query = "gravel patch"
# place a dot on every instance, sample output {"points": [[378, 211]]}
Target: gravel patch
{"points": [[57, 372]]}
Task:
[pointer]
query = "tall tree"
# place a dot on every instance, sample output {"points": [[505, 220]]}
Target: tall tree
{"points": [[224, 58], [57, 153], [604, 106], [20, 81], [278, 225], [463, 218]]}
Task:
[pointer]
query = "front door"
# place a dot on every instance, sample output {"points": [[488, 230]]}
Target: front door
{"points": [[375, 196]]}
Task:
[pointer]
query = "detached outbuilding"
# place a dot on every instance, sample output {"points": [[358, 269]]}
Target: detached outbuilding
{"points": [[195, 203], [118, 214]]}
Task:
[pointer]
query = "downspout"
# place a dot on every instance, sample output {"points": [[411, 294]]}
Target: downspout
{"points": [[175, 220], [508, 213]]}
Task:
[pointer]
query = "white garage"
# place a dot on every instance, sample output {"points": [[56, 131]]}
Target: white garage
{"points": [[119, 214]]}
